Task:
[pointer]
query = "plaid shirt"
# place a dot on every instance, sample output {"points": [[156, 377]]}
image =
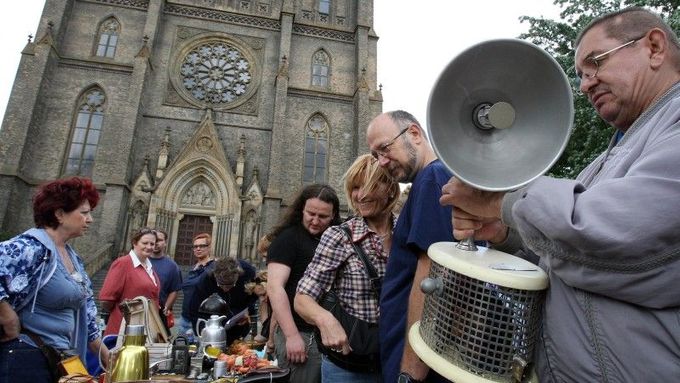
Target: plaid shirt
{"points": [[335, 265]]}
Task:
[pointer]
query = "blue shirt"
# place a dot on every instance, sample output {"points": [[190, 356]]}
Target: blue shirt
{"points": [[169, 274], [189, 304], [54, 315], [422, 222]]}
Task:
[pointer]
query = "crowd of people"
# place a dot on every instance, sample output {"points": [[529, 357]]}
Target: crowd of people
{"points": [[338, 297]]}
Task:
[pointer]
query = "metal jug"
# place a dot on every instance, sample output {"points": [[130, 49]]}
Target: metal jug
{"points": [[131, 361], [213, 334]]}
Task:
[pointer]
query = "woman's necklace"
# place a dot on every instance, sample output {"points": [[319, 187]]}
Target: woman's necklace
{"points": [[66, 259]]}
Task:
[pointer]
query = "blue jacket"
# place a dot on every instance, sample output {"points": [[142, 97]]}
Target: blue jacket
{"points": [[26, 265]]}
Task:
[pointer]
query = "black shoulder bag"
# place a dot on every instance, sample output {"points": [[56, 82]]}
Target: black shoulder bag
{"points": [[362, 336], [54, 357]]}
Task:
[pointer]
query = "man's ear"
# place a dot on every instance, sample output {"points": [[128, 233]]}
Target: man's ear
{"points": [[416, 134], [658, 46]]}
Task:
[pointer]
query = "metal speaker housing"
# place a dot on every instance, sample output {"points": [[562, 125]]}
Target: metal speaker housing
{"points": [[504, 150], [481, 314]]}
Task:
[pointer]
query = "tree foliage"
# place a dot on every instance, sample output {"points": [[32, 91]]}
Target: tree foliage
{"points": [[590, 135]]}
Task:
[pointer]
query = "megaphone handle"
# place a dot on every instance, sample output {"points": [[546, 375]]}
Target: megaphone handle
{"points": [[468, 244]]}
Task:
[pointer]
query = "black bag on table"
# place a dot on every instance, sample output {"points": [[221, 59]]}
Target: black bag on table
{"points": [[362, 336]]}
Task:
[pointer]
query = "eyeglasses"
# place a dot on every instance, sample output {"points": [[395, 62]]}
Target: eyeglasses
{"points": [[385, 148], [201, 246], [591, 65], [146, 230]]}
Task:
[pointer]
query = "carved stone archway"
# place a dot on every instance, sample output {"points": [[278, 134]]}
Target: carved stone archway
{"points": [[200, 182]]}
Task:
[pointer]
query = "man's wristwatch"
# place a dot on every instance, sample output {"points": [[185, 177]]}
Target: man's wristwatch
{"points": [[405, 377]]}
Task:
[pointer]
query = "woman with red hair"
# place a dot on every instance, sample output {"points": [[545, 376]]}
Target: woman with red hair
{"points": [[45, 294]]}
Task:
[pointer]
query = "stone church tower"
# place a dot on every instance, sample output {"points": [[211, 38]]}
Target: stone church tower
{"points": [[189, 115]]}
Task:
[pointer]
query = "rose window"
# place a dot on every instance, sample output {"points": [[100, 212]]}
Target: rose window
{"points": [[215, 73]]}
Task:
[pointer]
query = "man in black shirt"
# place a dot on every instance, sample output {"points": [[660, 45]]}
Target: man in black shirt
{"points": [[295, 239]]}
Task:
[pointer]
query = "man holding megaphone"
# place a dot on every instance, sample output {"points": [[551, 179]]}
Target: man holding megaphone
{"points": [[609, 239]]}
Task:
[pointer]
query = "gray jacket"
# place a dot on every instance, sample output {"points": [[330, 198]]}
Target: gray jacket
{"points": [[610, 243]]}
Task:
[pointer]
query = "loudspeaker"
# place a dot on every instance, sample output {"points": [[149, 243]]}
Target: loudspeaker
{"points": [[500, 114]]}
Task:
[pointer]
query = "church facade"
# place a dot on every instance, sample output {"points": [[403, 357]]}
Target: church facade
{"points": [[189, 115]]}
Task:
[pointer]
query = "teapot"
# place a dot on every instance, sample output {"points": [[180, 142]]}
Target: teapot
{"points": [[213, 334]]}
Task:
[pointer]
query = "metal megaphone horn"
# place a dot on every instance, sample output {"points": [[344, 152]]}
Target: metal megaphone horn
{"points": [[500, 114]]}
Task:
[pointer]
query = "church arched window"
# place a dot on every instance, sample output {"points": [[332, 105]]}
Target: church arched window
{"points": [[316, 150], [107, 38], [86, 130], [321, 64]]}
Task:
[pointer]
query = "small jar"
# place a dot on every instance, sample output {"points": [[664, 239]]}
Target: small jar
{"points": [[219, 369]]}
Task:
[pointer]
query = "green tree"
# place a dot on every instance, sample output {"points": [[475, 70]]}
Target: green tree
{"points": [[590, 135]]}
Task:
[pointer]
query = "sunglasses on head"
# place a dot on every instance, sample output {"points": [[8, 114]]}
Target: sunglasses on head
{"points": [[147, 230]]}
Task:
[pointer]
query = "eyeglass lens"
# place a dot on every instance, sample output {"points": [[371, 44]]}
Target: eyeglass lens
{"points": [[591, 65], [385, 148]]}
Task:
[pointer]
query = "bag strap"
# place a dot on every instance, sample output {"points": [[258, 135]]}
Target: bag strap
{"points": [[35, 337], [376, 281], [48, 351]]}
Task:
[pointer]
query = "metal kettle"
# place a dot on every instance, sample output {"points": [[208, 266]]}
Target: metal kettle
{"points": [[131, 361], [213, 334]]}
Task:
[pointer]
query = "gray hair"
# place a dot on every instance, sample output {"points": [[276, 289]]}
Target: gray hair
{"points": [[403, 119], [630, 23]]}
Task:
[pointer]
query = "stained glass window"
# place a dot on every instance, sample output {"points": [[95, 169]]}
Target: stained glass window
{"points": [[215, 73]]}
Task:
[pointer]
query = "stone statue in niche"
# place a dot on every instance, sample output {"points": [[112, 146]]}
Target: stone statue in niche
{"points": [[249, 236], [137, 216]]}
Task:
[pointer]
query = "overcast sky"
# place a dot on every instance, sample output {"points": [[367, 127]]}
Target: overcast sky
{"points": [[417, 40]]}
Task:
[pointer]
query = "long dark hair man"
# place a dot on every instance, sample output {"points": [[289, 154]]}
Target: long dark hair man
{"points": [[313, 210]]}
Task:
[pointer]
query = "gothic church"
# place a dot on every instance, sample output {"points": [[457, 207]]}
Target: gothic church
{"points": [[190, 115]]}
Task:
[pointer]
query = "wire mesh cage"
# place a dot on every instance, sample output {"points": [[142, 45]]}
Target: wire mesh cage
{"points": [[482, 327]]}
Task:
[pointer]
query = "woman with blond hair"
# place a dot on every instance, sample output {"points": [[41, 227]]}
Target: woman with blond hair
{"points": [[336, 265]]}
